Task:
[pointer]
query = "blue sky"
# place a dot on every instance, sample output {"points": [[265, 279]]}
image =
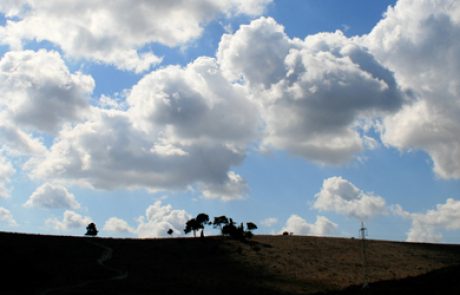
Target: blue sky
{"points": [[301, 116]]}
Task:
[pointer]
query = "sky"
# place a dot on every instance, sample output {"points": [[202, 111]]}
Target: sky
{"points": [[298, 115]]}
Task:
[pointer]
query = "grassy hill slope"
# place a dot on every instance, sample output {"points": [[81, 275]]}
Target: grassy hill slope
{"points": [[215, 265]]}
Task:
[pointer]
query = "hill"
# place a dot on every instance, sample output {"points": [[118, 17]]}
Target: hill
{"points": [[215, 265]]}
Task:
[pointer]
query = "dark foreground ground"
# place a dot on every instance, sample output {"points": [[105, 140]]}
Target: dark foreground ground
{"points": [[36, 264]]}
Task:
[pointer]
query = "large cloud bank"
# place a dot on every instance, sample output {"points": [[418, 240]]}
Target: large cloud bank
{"points": [[189, 126], [115, 33], [313, 92], [418, 41]]}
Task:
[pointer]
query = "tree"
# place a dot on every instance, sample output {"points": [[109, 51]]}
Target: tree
{"points": [[202, 219], [251, 226], [229, 228], [219, 222], [197, 223], [192, 225], [238, 232], [91, 230], [234, 232]]}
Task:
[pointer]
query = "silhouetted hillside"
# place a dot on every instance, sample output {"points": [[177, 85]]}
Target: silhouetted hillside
{"points": [[216, 265]]}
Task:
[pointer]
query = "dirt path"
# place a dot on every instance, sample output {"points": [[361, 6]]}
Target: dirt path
{"points": [[105, 256]]}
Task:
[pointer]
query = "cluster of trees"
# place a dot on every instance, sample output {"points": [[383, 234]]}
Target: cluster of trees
{"points": [[226, 225]]}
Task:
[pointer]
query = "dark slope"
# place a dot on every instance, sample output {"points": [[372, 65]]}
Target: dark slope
{"points": [[267, 265]]}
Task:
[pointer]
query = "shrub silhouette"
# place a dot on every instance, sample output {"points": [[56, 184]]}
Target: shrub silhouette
{"points": [[91, 230]]}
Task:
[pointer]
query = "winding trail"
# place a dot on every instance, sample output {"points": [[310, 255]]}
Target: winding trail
{"points": [[105, 256]]}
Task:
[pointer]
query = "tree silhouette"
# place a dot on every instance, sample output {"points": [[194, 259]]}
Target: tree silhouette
{"points": [[251, 226], [91, 230], [192, 226], [238, 232], [234, 232], [197, 223], [228, 228], [219, 222], [203, 219]]}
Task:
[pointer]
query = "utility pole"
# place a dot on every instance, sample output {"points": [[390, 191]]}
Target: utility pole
{"points": [[363, 232]]}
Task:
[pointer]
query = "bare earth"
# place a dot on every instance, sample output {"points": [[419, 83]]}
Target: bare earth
{"points": [[216, 265]]}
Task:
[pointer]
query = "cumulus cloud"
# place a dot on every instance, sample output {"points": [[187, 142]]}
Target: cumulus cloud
{"points": [[256, 52], [12, 7], [70, 220], [233, 187], [39, 93], [159, 219], [118, 225], [156, 222], [16, 142], [6, 173], [52, 196], [116, 33], [341, 196], [427, 227], [299, 226], [184, 126], [418, 41], [6, 217], [313, 92], [196, 103]]}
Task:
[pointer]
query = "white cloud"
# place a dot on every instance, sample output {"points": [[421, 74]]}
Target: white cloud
{"points": [[299, 226], [16, 142], [269, 222], [6, 173], [70, 220], [341, 196], [7, 217], [184, 126], [118, 225], [256, 52], [418, 41], [52, 196], [313, 93], [39, 93], [159, 219], [195, 103], [233, 188], [427, 227], [11, 7], [116, 33]]}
